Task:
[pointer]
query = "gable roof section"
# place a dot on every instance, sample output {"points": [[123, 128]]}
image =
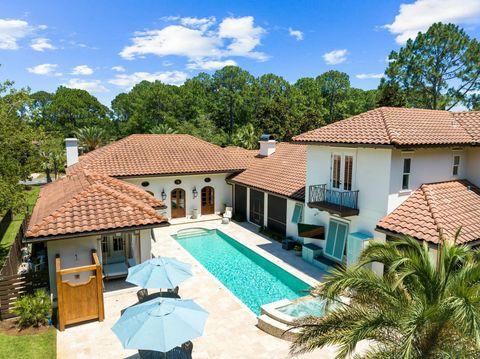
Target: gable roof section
{"points": [[138, 155], [283, 172], [400, 127], [82, 202], [438, 207]]}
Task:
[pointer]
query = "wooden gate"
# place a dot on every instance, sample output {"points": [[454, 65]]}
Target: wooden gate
{"points": [[79, 302]]}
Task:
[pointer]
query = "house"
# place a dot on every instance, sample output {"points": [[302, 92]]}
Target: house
{"points": [[112, 197], [390, 172]]}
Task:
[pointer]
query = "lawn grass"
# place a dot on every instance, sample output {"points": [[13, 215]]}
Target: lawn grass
{"points": [[35, 346], [12, 230]]}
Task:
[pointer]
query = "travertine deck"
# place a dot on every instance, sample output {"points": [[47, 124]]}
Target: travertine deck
{"points": [[230, 331]]}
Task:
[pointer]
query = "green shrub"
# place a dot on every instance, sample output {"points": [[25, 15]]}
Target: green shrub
{"points": [[33, 310]]}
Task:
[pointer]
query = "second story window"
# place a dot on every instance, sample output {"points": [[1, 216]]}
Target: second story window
{"points": [[456, 164], [407, 163], [336, 168], [347, 174]]}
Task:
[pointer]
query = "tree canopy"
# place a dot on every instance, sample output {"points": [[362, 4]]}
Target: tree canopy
{"points": [[421, 307], [439, 69]]}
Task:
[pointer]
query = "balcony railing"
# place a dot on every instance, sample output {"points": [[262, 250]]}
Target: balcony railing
{"points": [[343, 203]]}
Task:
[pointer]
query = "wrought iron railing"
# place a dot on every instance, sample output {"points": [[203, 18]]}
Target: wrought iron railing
{"points": [[345, 199]]}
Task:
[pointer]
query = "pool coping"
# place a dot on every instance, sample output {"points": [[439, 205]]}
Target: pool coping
{"points": [[261, 252]]}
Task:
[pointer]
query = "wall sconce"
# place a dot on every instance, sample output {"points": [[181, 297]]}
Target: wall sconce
{"points": [[164, 195], [195, 192]]}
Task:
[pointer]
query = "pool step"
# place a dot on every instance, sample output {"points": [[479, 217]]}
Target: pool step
{"points": [[276, 328]]}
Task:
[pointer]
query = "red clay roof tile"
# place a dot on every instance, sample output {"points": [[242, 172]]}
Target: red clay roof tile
{"points": [[83, 202], [438, 208], [283, 172], [400, 127]]}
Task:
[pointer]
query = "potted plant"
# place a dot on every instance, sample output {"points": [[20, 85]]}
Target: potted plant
{"points": [[288, 243]]}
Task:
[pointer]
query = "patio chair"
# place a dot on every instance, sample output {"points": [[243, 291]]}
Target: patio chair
{"points": [[142, 294], [227, 216]]}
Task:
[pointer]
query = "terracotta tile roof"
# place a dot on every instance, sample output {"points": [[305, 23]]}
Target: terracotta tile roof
{"points": [[400, 127], [82, 202], [138, 155], [283, 172], [436, 207]]}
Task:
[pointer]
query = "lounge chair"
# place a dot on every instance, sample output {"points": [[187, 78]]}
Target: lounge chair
{"points": [[227, 216]]}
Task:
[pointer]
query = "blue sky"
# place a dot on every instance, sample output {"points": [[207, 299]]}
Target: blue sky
{"points": [[107, 46]]}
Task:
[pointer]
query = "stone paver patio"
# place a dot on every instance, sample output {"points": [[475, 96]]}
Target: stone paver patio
{"points": [[231, 330]]}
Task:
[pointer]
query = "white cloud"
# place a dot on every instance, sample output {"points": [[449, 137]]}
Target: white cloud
{"points": [[198, 23], [41, 44], [43, 69], [369, 76], [297, 34], [82, 70], [419, 15], [210, 64], [168, 77], [93, 86], [172, 40], [118, 68], [335, 57], [244, 37], [11, 31], [197, 40]]}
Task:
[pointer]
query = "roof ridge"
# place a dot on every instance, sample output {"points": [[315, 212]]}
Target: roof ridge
{"points": [[427, 193], [387, 128]]}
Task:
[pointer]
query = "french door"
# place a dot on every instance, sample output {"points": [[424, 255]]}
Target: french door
{"points": [[336, 239], [342, 172], [178, 203], [208, 200]]}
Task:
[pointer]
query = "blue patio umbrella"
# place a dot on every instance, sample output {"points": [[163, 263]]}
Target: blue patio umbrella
{"points": [[161, 272], [160, 324]]}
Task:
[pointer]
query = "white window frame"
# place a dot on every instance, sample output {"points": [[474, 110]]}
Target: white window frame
{"points": [[456, 166], [343, 155], [409, 173]]}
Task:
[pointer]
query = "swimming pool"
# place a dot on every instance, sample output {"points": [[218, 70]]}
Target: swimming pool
{"points": [[252, 278]]}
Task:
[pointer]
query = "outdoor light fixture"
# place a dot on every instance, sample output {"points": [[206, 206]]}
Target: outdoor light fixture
{"points": [[164, 195], [195, 192]]}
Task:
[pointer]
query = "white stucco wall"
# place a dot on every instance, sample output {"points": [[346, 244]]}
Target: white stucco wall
{"points": [[74, 252], [223, 191], [370, 176], [473, 166], [428, 165]]}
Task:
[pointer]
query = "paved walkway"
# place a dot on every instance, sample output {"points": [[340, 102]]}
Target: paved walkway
{"points": [[231, 330]]}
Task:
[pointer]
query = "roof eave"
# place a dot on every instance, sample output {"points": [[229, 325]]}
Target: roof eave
{"points": [[93, 233]]}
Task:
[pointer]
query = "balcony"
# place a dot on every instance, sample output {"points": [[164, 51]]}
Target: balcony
{"points": [[342, 203]]}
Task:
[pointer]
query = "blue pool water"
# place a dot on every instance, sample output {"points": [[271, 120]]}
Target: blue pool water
{"points": [[252, 278], [301, 309]]}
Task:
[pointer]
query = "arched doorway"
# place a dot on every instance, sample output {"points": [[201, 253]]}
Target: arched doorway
{"points": [[178, 203], [208, 200]]}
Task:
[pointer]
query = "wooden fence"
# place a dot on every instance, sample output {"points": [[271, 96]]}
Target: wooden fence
{"points": [[78, 302], [14, 286], [14, 256]]}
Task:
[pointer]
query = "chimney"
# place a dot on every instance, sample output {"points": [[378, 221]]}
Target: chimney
{"points": [[267, 145], [71, 145]]}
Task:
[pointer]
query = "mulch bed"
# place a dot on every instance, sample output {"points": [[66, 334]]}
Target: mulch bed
{"points": [[9, 327]]}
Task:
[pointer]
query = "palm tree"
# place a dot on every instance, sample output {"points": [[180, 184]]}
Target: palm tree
{"points": [[422, 307], [91, 138], [163, 129], [246, 137]]}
